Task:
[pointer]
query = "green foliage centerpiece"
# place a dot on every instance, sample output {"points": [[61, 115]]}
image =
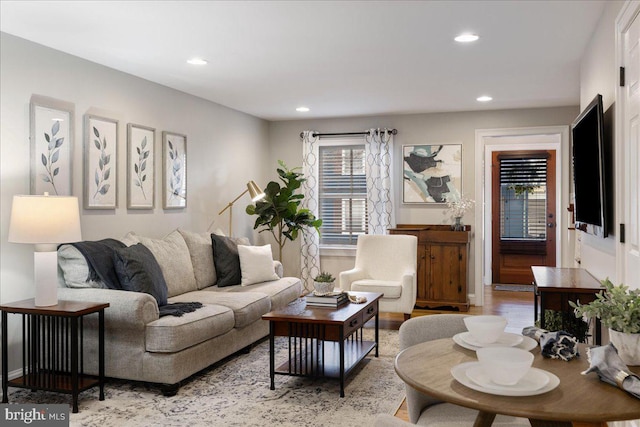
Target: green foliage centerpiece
{"points": [[324, 283], [279, 211]]}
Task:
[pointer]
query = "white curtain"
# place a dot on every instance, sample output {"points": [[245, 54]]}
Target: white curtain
{"points": [[310, 259], [378, 151]]}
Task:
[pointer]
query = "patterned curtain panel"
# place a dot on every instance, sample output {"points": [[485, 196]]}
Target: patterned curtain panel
{"points": [[379, 185], [310, 238]]}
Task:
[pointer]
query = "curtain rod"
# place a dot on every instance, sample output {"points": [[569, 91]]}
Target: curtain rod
{"points": [[313, 134]]}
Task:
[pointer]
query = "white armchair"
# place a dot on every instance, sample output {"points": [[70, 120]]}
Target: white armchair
{"points": [[385, 264]]}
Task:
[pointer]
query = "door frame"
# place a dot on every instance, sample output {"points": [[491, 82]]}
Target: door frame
{"points": [[530, 138]]}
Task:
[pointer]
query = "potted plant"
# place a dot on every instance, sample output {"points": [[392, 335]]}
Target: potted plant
{"points": [[279, 211], [324, 283], [618, 308]]}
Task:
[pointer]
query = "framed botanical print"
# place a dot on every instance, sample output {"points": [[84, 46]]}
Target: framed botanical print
{"points": [[431, 173], [174, 170], [51, 138], [140, 167], [100, 155]]}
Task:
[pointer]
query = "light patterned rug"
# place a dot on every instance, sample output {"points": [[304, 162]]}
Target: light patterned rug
{"points": [[235, 392]]}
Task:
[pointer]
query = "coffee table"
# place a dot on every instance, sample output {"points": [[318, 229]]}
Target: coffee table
{"points": [[323, 341]]}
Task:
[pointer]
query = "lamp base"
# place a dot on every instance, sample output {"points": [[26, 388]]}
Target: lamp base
{"points": [[45, 266]]}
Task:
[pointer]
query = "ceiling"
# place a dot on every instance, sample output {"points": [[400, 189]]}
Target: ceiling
{"points": [[339, 58]]}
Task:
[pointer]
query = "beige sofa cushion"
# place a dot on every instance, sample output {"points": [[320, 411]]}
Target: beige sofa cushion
{"points": [[201, 252], [173, 256], [281, 291], [247, 306], [170, 334]]}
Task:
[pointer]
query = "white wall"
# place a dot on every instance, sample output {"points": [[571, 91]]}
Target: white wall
{"points": [[226, 148], [598, 74], [447, 128]]}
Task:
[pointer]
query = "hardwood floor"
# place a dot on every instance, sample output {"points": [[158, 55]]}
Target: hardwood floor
{"points": [[517, 307]]}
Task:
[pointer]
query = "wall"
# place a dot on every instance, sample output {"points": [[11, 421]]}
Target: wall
{"points": [[446, 128], [226, 148], [598, 74]]}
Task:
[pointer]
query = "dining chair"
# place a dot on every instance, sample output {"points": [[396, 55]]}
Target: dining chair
{"points": [[386, 264], [425, 410]]}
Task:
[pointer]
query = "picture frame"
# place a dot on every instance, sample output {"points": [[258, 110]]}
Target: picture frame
{"points": [[174, 170], [140, 166], [432, 173], [100, 162], [51, 135]]}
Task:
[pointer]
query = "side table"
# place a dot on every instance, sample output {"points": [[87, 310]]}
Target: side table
{"points": [[52, 350]]}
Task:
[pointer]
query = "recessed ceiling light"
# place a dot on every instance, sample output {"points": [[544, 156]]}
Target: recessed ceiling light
{"points": [[484, 98], [302, 109], [197, 61], [466, 38]]}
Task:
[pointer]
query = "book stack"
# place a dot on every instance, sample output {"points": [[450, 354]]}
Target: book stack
{"points": [[331, 300]]}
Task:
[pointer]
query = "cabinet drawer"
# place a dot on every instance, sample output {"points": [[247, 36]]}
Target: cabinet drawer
{"points": [[370, 312], [352, 324]]}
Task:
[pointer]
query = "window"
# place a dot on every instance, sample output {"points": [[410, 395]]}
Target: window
{"points": [[523, 199], [342, 194]]}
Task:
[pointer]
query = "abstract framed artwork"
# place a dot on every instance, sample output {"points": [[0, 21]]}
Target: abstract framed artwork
{"points": [[51, 140], [100, 154], [431, 173], [140, 167], [174, 170]]}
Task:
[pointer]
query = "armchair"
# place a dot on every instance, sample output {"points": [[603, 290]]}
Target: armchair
{"points": [[385, 264]]}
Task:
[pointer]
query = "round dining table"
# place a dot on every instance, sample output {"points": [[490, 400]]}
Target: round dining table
{"points": [[583, 400]]}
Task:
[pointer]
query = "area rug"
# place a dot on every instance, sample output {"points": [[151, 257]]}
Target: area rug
{"points": [[235, 392], [516, 288]]}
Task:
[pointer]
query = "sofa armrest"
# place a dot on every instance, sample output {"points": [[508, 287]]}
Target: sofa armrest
{"points": [[350, 276], [126, 309], [277, 266]]}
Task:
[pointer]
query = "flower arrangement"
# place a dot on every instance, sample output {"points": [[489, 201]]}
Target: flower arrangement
{"points": [[460, 206]]}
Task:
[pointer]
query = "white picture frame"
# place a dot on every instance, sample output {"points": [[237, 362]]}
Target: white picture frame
{"points": [[140, 166], [174, 170], [100, 162]]}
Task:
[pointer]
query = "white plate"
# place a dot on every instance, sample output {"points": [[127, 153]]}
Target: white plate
{"points": [[459, 372], [507, 339], [526, 344], [533, 380]]}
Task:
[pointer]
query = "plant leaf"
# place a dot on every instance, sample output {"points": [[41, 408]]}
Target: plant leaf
{"points": [[46, 137], [59, 142], [43, 158], [97, 178], [96, 143], [107, 159], [143, 165], [45, 177], [138, 150], [104, 189], [55, 171], [107, 173], [137, 183], [95, 132], [170, 145], [144, 177], [104, 143], [144, 142], [171, 154], [55, 128], [100, 163], [54, 157], [135, 168]]}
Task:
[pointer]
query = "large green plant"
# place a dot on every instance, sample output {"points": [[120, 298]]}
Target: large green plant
{"points": [[617, 307], [279, 211]]}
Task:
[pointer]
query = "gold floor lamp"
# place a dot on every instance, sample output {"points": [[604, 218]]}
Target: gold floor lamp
{"points": [[256, 194]]}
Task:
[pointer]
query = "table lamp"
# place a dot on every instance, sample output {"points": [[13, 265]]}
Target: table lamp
{"points": [[256, 194], [45, 221]]}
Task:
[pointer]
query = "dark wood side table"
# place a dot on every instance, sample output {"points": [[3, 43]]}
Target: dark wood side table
{"points": [[323, 341], [52, 351], [557, 286]]}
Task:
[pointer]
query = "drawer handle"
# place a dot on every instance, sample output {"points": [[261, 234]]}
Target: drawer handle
{"points": [[353, 323], [370, 310]]}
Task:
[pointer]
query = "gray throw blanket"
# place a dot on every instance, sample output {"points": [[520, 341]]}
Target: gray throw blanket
{"points": [[99, 256]]}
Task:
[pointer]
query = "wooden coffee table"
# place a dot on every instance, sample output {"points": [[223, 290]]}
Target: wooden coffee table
{"points": [[323, 342]]}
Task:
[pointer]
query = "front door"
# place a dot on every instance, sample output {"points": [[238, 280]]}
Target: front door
{"points": [[523, 214]]}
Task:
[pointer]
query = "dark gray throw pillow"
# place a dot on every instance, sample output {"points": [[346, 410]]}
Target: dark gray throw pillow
{"points": [[138, 271], [226, 260]]}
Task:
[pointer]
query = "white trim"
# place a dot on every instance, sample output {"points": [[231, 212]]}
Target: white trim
{"points": [[552, 137], [625, 18], [338, 250]]}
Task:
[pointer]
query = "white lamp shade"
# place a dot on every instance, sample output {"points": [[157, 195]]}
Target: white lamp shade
{"points": [[44, 220]]}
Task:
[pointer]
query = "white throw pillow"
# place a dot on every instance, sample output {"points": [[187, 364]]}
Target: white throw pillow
{"points": [[256, 264]]}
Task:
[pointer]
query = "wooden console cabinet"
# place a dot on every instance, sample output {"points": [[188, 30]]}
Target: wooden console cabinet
{"points": [[443, 264]]}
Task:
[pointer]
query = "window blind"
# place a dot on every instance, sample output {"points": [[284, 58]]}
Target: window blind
{"points": [[342, 194], [523, 198]]}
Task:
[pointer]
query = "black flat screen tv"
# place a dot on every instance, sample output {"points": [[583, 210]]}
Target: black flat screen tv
{"points": [[590, 170]]}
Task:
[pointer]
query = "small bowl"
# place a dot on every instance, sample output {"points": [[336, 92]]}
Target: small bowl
{"points": [[323, 287], [505, 365], [485, 329]]}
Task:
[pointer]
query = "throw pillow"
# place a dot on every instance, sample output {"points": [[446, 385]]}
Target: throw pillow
{"points": [[201, 251], [74, 268], [173, 256], [256, 264], [139, 271], [226, 260]]}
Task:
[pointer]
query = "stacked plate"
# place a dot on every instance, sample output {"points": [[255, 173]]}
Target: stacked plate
{"points": [[506, 339], [535, 381]]}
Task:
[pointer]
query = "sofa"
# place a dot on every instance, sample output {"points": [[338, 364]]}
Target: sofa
{"points": [[141, 345]]}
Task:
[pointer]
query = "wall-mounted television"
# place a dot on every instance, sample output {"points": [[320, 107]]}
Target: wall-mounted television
{"points": [[591, 171]]}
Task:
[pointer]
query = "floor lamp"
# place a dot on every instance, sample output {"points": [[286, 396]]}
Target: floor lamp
{"points": [[256, 194], [45, 221]]}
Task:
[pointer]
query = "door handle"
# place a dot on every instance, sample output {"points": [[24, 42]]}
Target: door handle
{"points": [[551, 224]]}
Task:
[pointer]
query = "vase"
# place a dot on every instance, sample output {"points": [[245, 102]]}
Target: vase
{"points": [[457, 225], [628, 346], [323, 287]]}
